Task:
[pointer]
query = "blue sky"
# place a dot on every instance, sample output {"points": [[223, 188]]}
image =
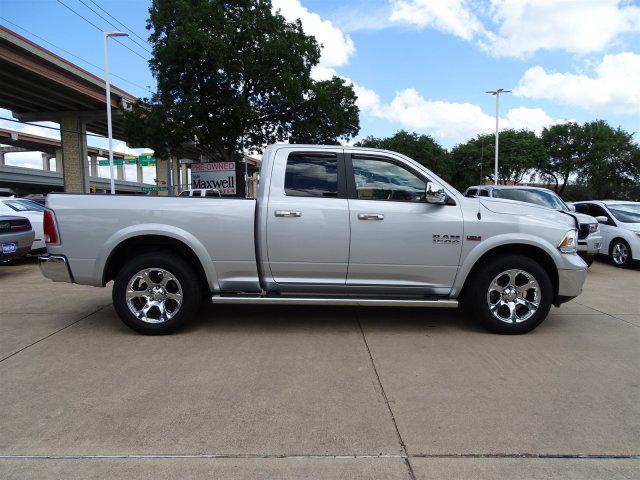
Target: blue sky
{"points": [[421, 65]]}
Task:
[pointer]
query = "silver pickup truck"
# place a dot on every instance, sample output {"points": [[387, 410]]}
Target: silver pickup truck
{"points": [[331, 225]]}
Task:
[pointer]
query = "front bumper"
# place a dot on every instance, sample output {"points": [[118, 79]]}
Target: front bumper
{"points": [[55, 267], [591, 245], [571, 277]]}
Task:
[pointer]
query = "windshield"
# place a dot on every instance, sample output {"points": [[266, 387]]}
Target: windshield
{"points": [[626, 212], [24, 206], [537, 197]]}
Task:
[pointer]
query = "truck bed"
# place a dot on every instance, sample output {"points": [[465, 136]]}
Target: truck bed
{"points": [[219, 231]]}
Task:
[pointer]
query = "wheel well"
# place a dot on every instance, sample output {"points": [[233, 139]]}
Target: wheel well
{"points": [[535, 253], [614, 240], [135, 246]]}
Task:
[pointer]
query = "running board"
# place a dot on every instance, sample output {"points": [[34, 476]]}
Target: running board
{"points": [[328, 300]]}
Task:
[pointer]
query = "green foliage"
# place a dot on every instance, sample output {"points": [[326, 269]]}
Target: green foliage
{"points": [[565, 148], [421, 148], [236, 76], [472, 162]]}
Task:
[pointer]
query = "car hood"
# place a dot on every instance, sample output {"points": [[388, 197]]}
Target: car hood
{"points": [[583, 218], [514, 207]]}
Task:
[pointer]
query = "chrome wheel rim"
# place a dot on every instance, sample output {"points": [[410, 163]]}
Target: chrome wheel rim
{"points": [[154, 295], [513, 296], [620, 253]]}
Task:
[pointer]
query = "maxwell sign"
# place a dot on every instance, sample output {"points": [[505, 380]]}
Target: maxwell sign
{"points": [[220, 175]]}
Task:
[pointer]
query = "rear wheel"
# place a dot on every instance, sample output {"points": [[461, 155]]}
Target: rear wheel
{"points": [[156, 293], [510, 295], [620, 253]]}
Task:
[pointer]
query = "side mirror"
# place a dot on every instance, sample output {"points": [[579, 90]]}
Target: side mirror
{"points": [[434, 196], [572, 207], [602, 219]]}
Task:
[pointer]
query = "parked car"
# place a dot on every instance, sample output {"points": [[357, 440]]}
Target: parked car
{"points": [[330, 225], [16, 237], [620, 226], [200, 192], [28, 209], [589, 236]]}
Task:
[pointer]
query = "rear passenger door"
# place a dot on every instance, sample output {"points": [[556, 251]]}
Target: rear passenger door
{"points": [[308, 218]]}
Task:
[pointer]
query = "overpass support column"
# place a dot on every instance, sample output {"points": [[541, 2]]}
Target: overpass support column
{"points": [[45, 162], [139, 176], [73, 136], [93, 165], [1, 156], [161, 175], [59, 160], [120, 172]]}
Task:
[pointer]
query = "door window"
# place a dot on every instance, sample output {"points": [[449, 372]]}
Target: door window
{"points": [[598, 211], [378, 179], [472, 192], [311, 176], [484, 193]]}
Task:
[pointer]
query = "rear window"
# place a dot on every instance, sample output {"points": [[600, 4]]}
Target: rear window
{"points": [[24, 206], [311, 176]]}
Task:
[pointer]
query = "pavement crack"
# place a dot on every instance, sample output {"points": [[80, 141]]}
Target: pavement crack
{"points": [[403, 446], [53, 333], [610, 315]]}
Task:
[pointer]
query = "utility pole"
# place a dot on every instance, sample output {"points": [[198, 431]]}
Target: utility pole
{"points": [[107, 87], [497, 93]]}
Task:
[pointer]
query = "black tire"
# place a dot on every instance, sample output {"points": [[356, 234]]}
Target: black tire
{"points": [[624, 245], [178, 268], [588, 259], [477, 304]]}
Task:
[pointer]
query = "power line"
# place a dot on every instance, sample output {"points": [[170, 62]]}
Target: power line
{"points": [[114, 26], [123, 25], [74, 55], [98, 28]]}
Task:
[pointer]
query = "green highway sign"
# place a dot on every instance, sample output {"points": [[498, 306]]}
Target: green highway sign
{"points": [[147, 160], [105, 163], [154, 189], [130, 160]]}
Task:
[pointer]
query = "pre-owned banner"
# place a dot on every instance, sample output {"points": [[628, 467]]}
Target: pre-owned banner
{"points": [[219, 175]]}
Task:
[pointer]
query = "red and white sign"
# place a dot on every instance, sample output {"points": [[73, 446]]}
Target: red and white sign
{"points": [[219, 175]]}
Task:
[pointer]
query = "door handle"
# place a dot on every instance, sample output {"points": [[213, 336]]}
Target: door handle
{"points": [[287, 213], [370, 216]]}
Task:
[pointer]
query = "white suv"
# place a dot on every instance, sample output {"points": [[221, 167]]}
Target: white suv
{"points": [[620, 227]]}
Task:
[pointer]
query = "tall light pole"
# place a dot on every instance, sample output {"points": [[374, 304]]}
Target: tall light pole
{"points": [[497, 93], [107, 87]]}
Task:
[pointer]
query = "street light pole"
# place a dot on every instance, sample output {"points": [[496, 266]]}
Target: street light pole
{"points": [[497, 93], [107, 87]]}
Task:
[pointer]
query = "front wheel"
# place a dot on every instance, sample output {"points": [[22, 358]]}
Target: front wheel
{"points": [[156, 293], [620, 253], [510, 295]]}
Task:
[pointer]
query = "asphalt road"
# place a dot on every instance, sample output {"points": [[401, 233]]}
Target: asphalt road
{"points": [[317, 392]]}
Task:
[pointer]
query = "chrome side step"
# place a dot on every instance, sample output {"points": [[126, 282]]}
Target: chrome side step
{"points": [[329, 300]]}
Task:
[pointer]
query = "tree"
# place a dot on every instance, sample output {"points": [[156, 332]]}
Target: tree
{"points": [[521, 151], [421, 148], [235, 76], [565, 149], [611, 161]]}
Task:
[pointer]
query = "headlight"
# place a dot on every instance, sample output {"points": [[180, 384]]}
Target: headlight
{"points": [[569, 243], [593, 228]]}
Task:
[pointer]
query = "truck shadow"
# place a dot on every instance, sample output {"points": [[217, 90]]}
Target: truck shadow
{"points": [[306, 318]]}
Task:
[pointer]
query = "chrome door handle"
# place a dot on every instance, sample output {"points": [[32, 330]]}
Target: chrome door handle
{"points": [[370, 216], [287, 213]]}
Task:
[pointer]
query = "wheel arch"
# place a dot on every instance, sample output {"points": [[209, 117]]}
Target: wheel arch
{"points": [[135, 245], [527, 250]]}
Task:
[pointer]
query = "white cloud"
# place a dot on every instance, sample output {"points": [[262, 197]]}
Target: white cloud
{"points": [[615, 87], [449, 121], [337, 46], [518, 28], [449, 16], [577, 26]]}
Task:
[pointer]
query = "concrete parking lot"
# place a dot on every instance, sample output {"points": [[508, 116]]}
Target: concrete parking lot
{"points": [[317, 392]]}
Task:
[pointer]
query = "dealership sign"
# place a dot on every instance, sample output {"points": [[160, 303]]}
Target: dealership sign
{"points": [[219, 175]]}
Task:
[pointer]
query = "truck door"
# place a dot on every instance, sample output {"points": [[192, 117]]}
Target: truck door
{"points": [[397, 239], [308, 218]]}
